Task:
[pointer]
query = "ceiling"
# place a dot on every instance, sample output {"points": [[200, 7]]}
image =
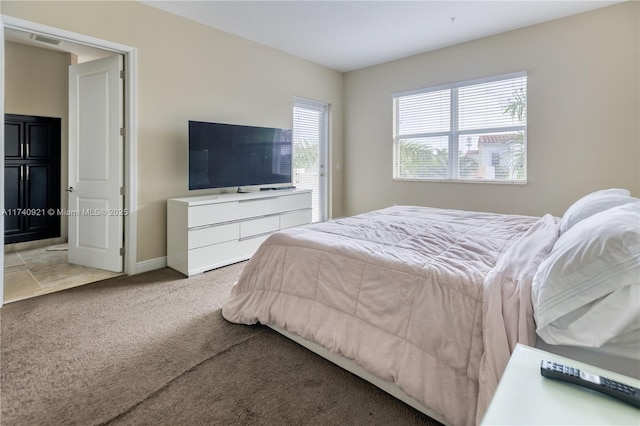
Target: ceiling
{"points": [[349, 35]]}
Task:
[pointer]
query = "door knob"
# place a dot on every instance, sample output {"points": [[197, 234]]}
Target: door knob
{"points": [[70, 189]]}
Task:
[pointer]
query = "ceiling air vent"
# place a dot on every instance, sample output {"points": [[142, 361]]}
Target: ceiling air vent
{"points": [[43, 39]]}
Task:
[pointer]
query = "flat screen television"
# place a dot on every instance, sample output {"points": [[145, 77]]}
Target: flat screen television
{"points": [[230, 155]]}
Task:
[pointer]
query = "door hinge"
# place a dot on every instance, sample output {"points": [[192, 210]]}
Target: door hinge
{"points": [[122, 74], [121, 131], [122, 190], [121, 251]]}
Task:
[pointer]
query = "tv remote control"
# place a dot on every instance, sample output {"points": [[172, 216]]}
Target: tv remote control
{"points": [[617, 390]]}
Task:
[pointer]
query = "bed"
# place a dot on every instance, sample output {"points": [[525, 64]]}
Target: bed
{"points": [[425, 303]]}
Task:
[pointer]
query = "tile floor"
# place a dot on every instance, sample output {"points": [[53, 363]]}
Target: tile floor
{"points": [[32, 272]]}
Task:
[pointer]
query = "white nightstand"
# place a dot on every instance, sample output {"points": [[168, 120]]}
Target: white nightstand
{"points": [[524, 397]]}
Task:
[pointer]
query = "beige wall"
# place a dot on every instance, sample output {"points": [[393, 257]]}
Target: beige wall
{"points": [[36, 83], [583, 115], [187, 71], [584, 105]]}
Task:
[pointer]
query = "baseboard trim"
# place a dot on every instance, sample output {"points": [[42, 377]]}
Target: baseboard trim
{"points": [[28, 245], [151, 265]]}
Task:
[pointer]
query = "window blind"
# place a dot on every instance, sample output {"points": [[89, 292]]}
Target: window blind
{"points": [[473, 131]]}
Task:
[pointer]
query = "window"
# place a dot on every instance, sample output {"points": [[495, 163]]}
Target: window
{"points": [[470, 132]]}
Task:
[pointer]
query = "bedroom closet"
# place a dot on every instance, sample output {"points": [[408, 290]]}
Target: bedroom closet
{"points": [[32, 177]]}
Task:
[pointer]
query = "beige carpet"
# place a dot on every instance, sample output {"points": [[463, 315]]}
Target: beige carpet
{"points": [[154, 349]]}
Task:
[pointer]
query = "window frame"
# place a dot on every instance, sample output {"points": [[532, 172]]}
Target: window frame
{"points": [[453, 134]]}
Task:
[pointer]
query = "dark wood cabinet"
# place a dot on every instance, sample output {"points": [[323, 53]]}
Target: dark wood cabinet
{"points": [[32, 178]]}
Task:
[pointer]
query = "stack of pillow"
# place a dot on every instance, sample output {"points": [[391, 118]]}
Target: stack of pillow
{"points": [[586, 292]]}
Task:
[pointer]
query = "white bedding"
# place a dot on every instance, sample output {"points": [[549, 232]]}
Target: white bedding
{"points": [[408, 293], [587, 291]]}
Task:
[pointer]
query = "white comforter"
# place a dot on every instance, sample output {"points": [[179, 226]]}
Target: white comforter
{"points": [[406, 292]]}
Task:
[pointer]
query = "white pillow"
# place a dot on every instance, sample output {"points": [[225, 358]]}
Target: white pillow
{"points": [[594, 258], [612, 320], [593, 203]]}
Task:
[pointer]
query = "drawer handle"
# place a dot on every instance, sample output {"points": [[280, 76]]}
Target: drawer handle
{"points": [[211, 225], [258, 199], [250, 237]]}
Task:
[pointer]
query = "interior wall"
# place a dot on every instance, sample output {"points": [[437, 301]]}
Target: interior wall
{"points": [[187, 71], [36, 83], [583, 115]]}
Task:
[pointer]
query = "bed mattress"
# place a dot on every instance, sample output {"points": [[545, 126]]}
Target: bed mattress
{"points": [[404, 293]]}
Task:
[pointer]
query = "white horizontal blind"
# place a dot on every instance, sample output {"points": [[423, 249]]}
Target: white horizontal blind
{"points": [[465, 132], [309, 148], [425, 113]]}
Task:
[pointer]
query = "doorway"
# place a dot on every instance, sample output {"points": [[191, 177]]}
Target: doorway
{"points": [[127, 159]]}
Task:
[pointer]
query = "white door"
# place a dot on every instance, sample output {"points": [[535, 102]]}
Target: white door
{"points": [[96, 213], [310, 135]]}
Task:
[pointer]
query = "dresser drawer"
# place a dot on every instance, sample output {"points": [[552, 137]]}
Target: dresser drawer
{"points": [[220, 212], [261, 226], [200, 237], [275, 204], [296, 202], [301, 217], [210, 214], [210, 257]]}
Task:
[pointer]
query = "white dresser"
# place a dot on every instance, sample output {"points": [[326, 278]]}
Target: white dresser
{"points": [[211, 231]]}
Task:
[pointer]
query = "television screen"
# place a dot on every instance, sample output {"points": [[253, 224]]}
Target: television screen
{"points": [[229, 155]]}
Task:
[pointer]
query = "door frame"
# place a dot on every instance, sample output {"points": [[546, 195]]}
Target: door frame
{"points": [[130, 123]]}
